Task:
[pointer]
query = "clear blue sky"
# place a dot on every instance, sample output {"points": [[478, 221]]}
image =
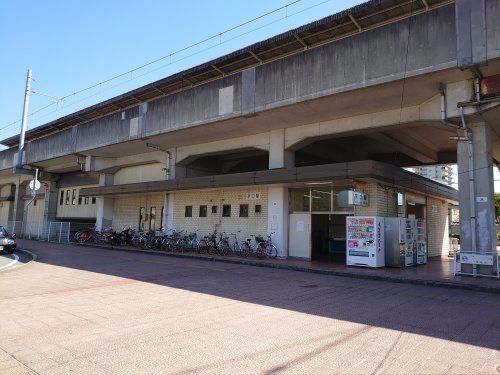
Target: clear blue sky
{"points": [[73, 44]]}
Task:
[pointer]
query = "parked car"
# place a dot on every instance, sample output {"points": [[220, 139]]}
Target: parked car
{"points": [[7, 241]]}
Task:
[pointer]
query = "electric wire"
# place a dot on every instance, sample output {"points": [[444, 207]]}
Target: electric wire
{"points": [[288, 15], [218, 35]]}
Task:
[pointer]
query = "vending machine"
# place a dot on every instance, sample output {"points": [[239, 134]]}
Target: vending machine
{"points": [[400, 242], [365, 241], [421, 237]]}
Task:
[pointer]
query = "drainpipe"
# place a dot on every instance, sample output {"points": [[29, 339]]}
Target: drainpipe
{"points": [[154, 147]]}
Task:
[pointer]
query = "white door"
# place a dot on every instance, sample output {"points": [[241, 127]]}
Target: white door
{"points": [[299, 241]]}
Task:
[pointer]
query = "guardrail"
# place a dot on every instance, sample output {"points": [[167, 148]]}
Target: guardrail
{"points": [[475, 259]]}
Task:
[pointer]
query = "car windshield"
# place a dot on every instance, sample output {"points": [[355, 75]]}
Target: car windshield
{"points": [[3, 232]]}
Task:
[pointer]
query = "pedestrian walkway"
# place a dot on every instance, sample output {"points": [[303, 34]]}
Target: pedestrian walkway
{"points": [[437, 272]]}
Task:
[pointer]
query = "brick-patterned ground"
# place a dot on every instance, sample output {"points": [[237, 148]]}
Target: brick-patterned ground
{"points": [[91, 311]]}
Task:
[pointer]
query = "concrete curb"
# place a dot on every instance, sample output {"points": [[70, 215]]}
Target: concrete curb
{"points": [[32, 255], [256, 263]]}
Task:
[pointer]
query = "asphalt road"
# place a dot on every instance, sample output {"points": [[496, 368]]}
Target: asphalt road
{"points": [[93, 311], [9, 261]]}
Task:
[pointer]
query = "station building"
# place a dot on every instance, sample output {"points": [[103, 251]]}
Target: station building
{"points": [[264, 140]]}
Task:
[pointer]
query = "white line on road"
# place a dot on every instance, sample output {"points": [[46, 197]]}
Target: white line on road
{"points": [[16, 258]]}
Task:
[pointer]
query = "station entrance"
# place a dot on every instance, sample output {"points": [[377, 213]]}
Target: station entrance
{"points": [[318, 223]]}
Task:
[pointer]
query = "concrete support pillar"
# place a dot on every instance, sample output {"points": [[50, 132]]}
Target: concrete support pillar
{"points": [[483, 192], [278, 156], [50, 201], [277, 218], [18, 210], [104, 209]]}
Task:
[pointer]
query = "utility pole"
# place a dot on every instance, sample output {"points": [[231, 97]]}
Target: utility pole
{"points": [[24, 119]]}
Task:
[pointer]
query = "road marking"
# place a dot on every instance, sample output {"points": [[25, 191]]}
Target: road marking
{"points": [[16, 258]]}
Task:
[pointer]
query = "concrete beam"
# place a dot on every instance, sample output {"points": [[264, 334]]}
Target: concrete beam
{"points": [[417, 152], [113, 165]]}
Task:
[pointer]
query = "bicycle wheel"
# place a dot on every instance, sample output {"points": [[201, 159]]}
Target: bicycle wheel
{"points": [[245, 249], [224, 247], [212, 248], [202, 247], [261, 250], [271, 251]]}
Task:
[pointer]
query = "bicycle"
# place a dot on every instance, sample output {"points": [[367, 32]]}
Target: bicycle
{"points": [[212, 244], [262, 248], [266, 248]]}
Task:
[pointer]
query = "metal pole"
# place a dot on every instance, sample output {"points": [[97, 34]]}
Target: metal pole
{"points": [[24, 118]]}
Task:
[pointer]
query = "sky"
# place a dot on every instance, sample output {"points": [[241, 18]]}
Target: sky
{"points": [[71, 45]]}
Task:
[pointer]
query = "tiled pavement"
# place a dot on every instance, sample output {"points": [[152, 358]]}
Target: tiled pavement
{"points": [[93, 311]]}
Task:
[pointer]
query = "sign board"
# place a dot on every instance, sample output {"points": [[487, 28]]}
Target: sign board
{"points": [[481, 199], [34, 185], [352, 198], [480, 259], [253, 196]]}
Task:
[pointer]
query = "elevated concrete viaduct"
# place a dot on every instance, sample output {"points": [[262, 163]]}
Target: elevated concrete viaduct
{"points": [[401, 85]]}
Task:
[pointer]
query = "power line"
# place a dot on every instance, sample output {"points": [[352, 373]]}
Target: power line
{"points": [[218, 35], [288, 15]]}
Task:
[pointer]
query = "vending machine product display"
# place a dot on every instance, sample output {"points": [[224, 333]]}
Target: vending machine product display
{"points": [[365, 241], [400, 241], [421, 237]]}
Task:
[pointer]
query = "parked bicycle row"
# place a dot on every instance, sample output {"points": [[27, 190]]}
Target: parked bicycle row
{"points": [[221, 243]]}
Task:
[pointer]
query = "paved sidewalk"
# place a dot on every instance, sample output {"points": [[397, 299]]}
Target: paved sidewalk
{"points": [[92, 311], [437, 272]]}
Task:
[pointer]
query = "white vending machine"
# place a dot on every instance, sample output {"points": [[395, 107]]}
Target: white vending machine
{"points": [[400, 241], [365, 241], [421, 236]]}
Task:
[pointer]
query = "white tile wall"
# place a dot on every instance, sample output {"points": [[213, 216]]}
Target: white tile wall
{"points": [[77, 210], [255, 224], [437, 227], [126, 210]]}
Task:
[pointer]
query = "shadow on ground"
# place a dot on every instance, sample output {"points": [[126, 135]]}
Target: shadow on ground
{"points": [[456, 315]]}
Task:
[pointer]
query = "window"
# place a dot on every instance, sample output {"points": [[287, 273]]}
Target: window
{"points": [[321, 199], [203, 211], [142, 218], [73, 197], [79, 199], [188, 211], [61, 198], [93, 200], [243, 210], [86, 200], [214, 209], [68, 192], [258, 208], [226, 210], [299, 200], [152, 218], [161, 218]]}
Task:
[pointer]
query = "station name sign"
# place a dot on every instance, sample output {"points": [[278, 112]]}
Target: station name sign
{"points": [[348, 198]]}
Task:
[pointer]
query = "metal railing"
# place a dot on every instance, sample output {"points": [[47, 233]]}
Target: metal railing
{"points": [[474, 259], [51, 231]]}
